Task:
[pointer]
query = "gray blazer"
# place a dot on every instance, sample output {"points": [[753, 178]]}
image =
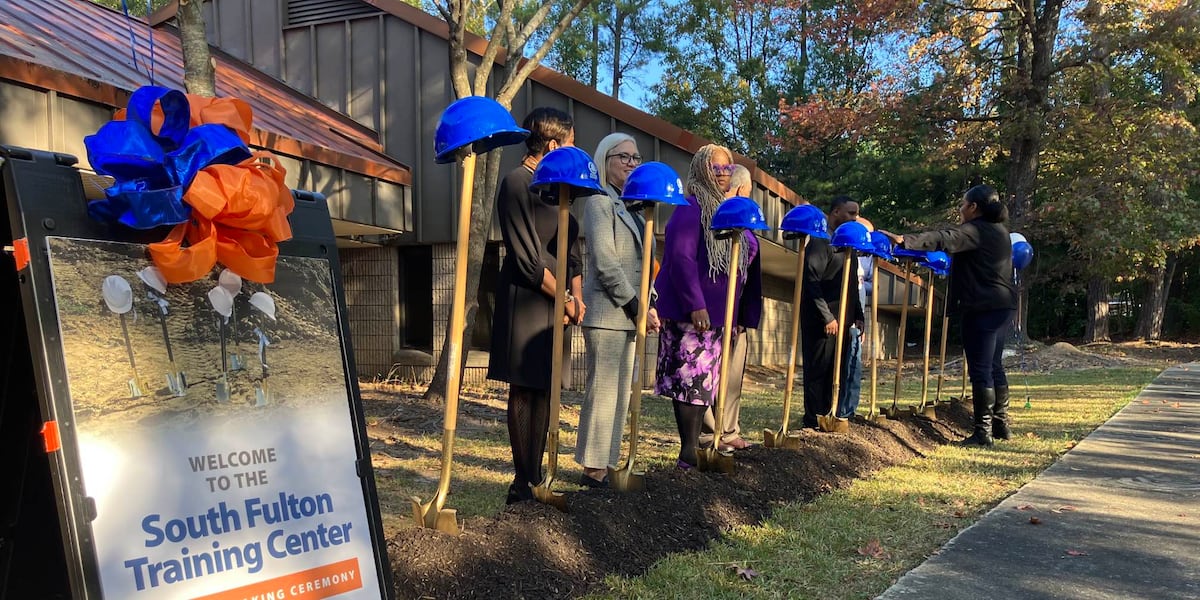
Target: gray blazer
{"points": [[614, 262]]}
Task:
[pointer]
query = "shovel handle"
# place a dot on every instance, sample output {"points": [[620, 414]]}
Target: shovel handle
{"points": [[945, 331], [639, 346], [560, 306], [928, 335], [797, 296], [874, 335], [455, 333], [900, 336], [841, 334], [726, 336]]}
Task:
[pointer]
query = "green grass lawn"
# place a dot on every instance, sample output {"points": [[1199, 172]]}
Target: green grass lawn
{"points": [[853, 543]]}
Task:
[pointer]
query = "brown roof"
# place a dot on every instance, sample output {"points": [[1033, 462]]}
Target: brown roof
{"points": [[80, 49]]}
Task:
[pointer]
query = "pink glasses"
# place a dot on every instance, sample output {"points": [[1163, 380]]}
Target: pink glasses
{"points": [[723, 169]]}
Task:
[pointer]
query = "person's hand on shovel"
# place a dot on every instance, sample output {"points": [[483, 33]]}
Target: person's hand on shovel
{"points": [[652, 322]]}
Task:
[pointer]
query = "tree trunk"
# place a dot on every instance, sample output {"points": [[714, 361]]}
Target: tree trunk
{"points": [[594, 72], [618, 32], [1154, 305], [1097, 300], [199, 76]]}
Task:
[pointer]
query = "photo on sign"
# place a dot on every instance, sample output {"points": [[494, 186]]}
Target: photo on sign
{"points": [[140, 352]]}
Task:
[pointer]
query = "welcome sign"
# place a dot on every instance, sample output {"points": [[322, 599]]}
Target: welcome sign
{"points": [[224, 468]]}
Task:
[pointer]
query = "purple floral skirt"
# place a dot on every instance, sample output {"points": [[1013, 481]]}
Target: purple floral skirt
{"points": [[689, 363]]}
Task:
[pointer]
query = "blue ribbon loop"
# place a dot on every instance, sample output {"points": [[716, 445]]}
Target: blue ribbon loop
{"points": [[153, 172]]}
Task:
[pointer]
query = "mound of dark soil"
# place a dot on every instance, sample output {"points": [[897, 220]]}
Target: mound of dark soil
{"points": [[531, 550]]}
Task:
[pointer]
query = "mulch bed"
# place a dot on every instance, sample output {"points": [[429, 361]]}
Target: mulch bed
{"points": [[531, 550]]}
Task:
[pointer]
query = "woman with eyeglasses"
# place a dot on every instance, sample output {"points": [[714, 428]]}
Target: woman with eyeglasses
{"points": [[691, 293], [613, 277], [522, 341]]}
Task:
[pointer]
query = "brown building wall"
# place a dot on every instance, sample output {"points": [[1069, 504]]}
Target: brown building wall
{"points": [[371, 279]]}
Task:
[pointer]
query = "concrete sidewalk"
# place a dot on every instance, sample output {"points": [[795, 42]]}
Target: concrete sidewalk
{"points": [[1134, 532]]}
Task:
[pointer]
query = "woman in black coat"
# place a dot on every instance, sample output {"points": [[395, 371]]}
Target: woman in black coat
{"points": [[982, 292], [522, 330]]}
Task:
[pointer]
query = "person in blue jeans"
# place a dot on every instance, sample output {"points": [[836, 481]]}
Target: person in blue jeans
{"points": [[983, 294]]}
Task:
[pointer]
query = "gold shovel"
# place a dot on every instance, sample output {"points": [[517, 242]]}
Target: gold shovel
{"points": [[712, 459], [542, 491], [624, 478], [831, 422], [781, 438], [874, 414], [937, 396], [432, 514], [894, 412], [925, 408]]}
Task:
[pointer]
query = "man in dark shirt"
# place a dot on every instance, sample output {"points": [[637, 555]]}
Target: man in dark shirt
{"points": [[819, 312]]}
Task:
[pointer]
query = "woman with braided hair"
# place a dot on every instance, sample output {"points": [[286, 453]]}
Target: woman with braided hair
{"points": [[691, 290]]}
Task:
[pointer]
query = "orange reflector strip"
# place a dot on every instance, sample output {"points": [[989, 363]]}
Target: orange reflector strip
{"points": [[21, 253], [50, 437]]}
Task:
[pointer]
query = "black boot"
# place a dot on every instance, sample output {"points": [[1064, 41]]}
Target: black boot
{"points": [[1000, 429], [982, 398]]}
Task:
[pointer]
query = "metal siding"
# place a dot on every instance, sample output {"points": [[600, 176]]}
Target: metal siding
{"points": [[331, 49], [298, 70], [328, 181], [366, 56], [392, 208], [591, 126], [266, 32], [297, 177], [24, 120], [645, 142], [358, 201], [74, 120], [438, 183], [231, 28], [543, 96]]}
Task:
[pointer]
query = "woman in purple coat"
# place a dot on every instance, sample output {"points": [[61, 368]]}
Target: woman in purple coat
{"points": [[691, 293]]}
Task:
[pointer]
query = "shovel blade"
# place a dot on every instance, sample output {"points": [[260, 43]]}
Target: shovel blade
{"points": [[772, 438], [791, 441], [712, 460], [625, 480], [222, 389], [177, 390], [260, 397], [929, 412], [542, 493], [135, 390], [236, 363], [428, 515]]}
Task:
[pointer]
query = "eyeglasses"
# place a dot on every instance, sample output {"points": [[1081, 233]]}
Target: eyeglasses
{"points": [[723, 169], [627, 158]]}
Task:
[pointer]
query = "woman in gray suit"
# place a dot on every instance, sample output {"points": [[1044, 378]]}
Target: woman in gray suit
{"points": [[610, 289]]}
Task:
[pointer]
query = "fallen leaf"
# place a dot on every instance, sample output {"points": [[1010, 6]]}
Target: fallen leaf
{"points": [[873, 549], [1064, 508], [745, 573], [1163, 401], [943, 525], [1030, 434], [1076, 553], [921, 501], [1175, 405], [1035, 521], [958, 514], [1026, 507], [1145, 402]]}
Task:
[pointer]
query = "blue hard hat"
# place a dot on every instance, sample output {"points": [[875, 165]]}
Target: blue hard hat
{"points": [[805, 219], [881, 245], [568, 166], [1022, 255], [852, 234], [738, 212], [936, 261], [654, 182], [478, 122], [906, 254]]}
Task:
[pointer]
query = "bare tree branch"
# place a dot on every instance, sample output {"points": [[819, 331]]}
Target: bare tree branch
{"points": [[506, 93]]}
